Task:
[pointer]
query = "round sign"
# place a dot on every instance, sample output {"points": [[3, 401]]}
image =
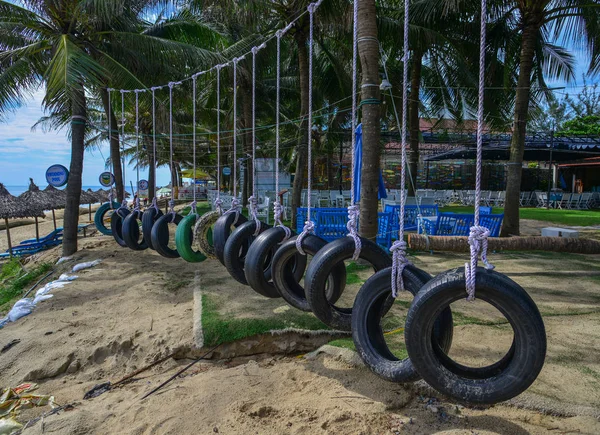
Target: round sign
{"points": [[143, 185], [57, 175], [106, 179], [226, 170]]}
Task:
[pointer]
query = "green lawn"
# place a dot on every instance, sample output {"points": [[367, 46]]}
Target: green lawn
{"points": [[14, 280], [582, 218]]}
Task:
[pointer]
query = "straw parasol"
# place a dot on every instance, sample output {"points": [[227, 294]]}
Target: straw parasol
{"points": [[88, 197], [101, 195], [58, 200], [12, 208], [35, 199]]}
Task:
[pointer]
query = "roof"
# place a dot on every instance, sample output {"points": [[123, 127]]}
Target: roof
{"points": [[12, 207]]}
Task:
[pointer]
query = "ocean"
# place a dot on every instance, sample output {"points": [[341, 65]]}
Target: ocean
{"points": [[17, 190]]}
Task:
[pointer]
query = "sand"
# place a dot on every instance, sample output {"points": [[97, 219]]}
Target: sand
{"points": [[136, 308]]}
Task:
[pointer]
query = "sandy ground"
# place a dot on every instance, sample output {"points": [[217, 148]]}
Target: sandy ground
{"points": [[135, 308]]}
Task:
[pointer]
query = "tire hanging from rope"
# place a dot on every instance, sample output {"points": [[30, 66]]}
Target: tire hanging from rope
{"points": [[160, 230], [152, 213], [131, 224], [238, 243], [233, 217], [261, 252], [184, 235], [117, 218], [352, 247], [519, 368]]}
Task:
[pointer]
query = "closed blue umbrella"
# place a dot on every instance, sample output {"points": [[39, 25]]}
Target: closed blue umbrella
{"points": [[382, 193]]}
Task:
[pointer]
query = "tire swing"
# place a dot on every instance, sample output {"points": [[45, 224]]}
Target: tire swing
{"points": [[153, 213], [117, 218], [259, 259], [373, 299], [524, 361], [233, 217], [131, 223], [160, 230], [184, 235], [239, 241], [346, 248], [111, 205]]}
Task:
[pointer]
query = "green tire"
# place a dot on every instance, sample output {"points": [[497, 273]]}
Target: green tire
{"points": [[184, 236], [99, 217]]}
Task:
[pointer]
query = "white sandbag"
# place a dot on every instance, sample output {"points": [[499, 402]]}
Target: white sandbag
{"points": [[86, 265]]}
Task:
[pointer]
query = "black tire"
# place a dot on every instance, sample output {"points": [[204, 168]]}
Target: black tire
{"points": [[368, 335], [101, 213], [160, 235], [237, 247], [288, 286], [321, 266], [528, 350], [131, 231], [222, 231], [149, 217], [260, 258], [116, 225]]}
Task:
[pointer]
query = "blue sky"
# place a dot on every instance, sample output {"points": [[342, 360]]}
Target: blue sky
{"points": [[28, 154]]}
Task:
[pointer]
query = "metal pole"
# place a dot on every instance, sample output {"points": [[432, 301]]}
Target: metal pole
{"points": [[8, 237], [550, 170], [341, 157]]}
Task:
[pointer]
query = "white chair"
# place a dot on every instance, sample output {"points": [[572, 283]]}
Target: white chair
{"points": [[263, 210]]}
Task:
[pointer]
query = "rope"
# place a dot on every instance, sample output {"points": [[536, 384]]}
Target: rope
{"points": [[478, 234], [172, 201], [353, 210], [277, 207], [136, 206], [309, 226], [253, 200], [235, 203], [110, 193], [218, 202], [399, 260], [123, 143], [155, 162], [193, 204]]}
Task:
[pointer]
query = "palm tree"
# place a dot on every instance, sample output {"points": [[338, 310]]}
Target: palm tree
{"points": [[573, 22], [75, 48]]}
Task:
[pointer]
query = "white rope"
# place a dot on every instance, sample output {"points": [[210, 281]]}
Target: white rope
{"points": [[253, 200], [154, 162], [137, 149], [111, 167], [353, 209], [218, 202], [398, 249], [123, 145], [193, 205], [235, 203], [277, 207], [173, 177], [478, 234], [309, 226]]}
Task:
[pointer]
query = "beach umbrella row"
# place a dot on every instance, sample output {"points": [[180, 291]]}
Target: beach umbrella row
{"points": [[33, 202]]}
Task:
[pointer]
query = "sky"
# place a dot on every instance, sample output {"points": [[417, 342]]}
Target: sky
{"points": [[25, 153]]}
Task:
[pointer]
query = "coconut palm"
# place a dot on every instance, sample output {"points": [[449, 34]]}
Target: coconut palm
{"points": [[75, 48], [537, 23]]}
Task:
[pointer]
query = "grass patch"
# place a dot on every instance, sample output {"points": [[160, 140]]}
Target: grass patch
{"points": [[353, 278], [583, 218], [394, 340], [220, 329], [354, 267], [200, 210], [589, 372], [14, 279]]}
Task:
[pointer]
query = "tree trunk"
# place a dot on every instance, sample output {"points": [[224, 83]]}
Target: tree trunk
{"points": [[115, 151], [461, 244], [510, 226], [368, 49], [302, 148], [413, 119], [71, 215]]}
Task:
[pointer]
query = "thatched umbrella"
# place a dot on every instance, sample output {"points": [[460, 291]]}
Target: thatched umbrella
{"points": [[88, 197], [36, 199], [12, 208], [102, 195], [58, 199]]}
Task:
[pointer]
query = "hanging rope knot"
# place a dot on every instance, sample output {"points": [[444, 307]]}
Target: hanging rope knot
{"points": [[110, 198], [399, 262], [193, 207], [309, 228], [235, 208], [156, 88], [279, 33], [124, 203], [155, 204], [478, 241], [277, 213], [352, 226], [255, 50], [253, 207], [136, 204], [219, 205]]}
